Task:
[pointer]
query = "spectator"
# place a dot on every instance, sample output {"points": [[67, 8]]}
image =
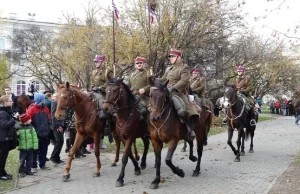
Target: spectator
{"points": [[272, 107], [7, 134], [259, 102], [28, 142], [58, 132], [14, 107], [41, 121], [277, 107]]}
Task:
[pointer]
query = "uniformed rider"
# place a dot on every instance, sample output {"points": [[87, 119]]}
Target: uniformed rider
{"points": [[198, 88], [138, 82], [179, 80]]}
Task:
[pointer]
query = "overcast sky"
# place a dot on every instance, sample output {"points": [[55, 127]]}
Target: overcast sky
{"points": [[51, 10]]}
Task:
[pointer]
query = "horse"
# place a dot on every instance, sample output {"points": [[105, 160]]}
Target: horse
{"points": [[238, 118], [23, 102], [87, 122], [164, 126], [121, 103]]}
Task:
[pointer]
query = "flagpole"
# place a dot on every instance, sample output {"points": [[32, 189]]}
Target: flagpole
{"points": [[149, 30], [114, 42]]}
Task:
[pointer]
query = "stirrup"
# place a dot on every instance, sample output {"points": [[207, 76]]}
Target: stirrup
{"points": [[252, 122]]}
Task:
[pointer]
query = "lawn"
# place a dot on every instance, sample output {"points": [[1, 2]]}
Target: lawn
{"points": [[12, 165]]}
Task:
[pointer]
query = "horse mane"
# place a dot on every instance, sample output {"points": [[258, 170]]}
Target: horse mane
{"points": [[131, 98]]}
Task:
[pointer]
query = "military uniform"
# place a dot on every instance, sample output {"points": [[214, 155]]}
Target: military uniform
{"points": [[100, 77], [198, 85], [244, 83], [179, 79], [139, 79]]}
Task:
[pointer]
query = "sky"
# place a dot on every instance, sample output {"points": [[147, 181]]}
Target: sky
{"points": [[51, 10]]}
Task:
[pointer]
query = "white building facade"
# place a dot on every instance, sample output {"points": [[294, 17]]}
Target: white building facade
{"points": [[20, 81]]}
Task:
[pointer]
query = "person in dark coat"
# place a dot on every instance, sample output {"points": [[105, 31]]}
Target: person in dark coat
{"points": [[7, 134]]}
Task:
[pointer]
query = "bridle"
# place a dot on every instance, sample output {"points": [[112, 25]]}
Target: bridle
{"points": [[87, 117], [163, 107], [114, 104]]}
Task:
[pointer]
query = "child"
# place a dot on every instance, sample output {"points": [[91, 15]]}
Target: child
{"points": [[28, 142]]}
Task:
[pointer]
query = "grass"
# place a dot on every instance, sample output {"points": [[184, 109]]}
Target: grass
{"points": [[12, 166]]}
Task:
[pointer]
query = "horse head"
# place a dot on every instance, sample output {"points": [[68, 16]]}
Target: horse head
{"points": [[118, 95], [65, 99], [159, 97], [230, 96]]}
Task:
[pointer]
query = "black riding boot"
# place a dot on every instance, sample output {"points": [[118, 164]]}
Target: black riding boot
{"points": [[190, 126], [253, 116]]}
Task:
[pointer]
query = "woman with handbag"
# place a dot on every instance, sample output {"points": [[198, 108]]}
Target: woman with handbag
{"points": [[7, 134]]}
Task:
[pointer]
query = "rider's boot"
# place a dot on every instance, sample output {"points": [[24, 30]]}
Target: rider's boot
{"points": [[142, 107], [253, 116], [190, 125]]}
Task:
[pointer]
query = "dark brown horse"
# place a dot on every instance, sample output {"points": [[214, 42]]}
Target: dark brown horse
{"points": [[23, 102], [87, 122], [165, 127], [238, 118], [121, 102]]}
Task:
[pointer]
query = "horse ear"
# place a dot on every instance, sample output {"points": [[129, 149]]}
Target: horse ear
{"points": [[166, 83], [151, 81], [57, 85], [120, 80], [67, 85]]}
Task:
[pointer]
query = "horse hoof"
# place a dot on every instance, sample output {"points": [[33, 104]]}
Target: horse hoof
{"points": [[119, 183], [66, 177], [251, 151], [154, 186], [183, 150], [96, 174], [143, 166], [180, 172], [113, 164], [237, 160], [137, 172], [137, 157], [195, 174], [242, 153], [193, 158]]}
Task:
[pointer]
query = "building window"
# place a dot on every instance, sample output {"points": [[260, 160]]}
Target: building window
{"points": [[2, 44], [21, 87]]}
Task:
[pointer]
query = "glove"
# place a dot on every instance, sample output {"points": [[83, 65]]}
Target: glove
{"points": [[95, 89], [171, 89], [242, 92]]}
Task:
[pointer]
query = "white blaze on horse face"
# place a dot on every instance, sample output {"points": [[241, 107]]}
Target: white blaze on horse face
{"points": [[226, 103]]}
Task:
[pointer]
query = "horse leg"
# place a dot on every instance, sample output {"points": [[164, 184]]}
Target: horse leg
{"points": [[118, 144], [199, 151], [191, 156], [78, 141], [171, 148], [243, 145], [251, 144], [184, 147], [157, 151], [229, 140], [146, 148], [97, 153], [136, 154], [127, 152], [238, 143]]}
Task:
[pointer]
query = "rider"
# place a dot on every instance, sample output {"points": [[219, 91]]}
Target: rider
{"points": [[139, 84], [99, 79], [179, 80], [244, 85], [198, 88]]}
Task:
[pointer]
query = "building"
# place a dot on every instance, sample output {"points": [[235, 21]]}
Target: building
{"points": [[21, 81]]}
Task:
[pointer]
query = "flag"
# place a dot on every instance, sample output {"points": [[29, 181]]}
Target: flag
{"points": [[115, 10], [152, 15]]}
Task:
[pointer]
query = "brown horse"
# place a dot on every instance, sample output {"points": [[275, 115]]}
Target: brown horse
{"points": [[87, 122], [165, 127], [23, 102], [121, 102]]}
